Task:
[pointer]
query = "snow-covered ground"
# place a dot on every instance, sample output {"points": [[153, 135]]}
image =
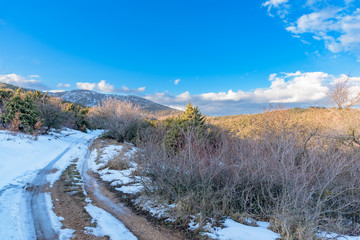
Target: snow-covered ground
{"points": [[21, 160], [21, 157]]}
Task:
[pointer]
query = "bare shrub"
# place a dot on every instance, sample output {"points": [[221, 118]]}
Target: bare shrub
{"points": [[342, 94], [288, 174], [14, 126], [118, 163], [120, 119], [53, 114]]}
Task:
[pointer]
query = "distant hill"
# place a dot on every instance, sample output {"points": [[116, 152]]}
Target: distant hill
{"points": [[12, 87], [91, 98]]}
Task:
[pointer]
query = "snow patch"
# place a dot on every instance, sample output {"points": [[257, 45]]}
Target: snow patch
{"points": [[109, 152], [107, 225], [236, 231], [56, 221], [119, 176], [324, 235], [131, 189]]}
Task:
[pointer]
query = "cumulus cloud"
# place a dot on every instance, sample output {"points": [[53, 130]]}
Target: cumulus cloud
{"points": [[86, 86], [25, 82], [103, 86], [176, 82], [327, 21], [63, 85], [335, 23], [292, 89]]}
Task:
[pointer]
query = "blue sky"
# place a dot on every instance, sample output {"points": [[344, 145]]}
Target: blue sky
{"points": [[223, 54]]}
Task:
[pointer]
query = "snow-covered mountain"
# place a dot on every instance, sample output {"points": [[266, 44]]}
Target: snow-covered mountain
{"points": [[91, 98]]}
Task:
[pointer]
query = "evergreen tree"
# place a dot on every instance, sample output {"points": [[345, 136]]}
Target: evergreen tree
{"points": [[5, 94], [80, 114], [37, 95], [193, 116], [177, 128], [24, 105]]}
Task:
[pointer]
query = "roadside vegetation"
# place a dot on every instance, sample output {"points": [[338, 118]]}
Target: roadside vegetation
{"points": [[300, 177], [33, 112], [298, 169]]}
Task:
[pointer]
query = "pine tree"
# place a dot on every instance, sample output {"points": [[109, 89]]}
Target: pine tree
{"points": [[24, 105], [193, 116], [177, 128], [5, 94]]}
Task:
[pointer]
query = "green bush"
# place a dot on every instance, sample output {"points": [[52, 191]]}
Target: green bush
{"points": [[24, 105], [177, 128]]}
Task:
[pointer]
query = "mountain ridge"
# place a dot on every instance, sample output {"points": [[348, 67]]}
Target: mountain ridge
{"points": [[91, 98]]}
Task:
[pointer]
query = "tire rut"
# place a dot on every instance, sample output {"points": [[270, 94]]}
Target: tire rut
{"points": [[105, 199], [36, 200]]}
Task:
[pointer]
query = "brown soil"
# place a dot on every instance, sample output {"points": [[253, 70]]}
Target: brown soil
{"points": [[69, 203], [104, 196], [137, 224]]}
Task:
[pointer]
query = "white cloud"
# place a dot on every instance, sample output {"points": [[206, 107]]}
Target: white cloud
{"points": [[141, 89], [103, 86], [284, 88], [295, 88], [336, 24], [85, 86], [63, 85], [292, 89], [225, 96], [125, 89], [279, 5], [25, 82], [274, 3], [316, 22], [176, 82]]}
